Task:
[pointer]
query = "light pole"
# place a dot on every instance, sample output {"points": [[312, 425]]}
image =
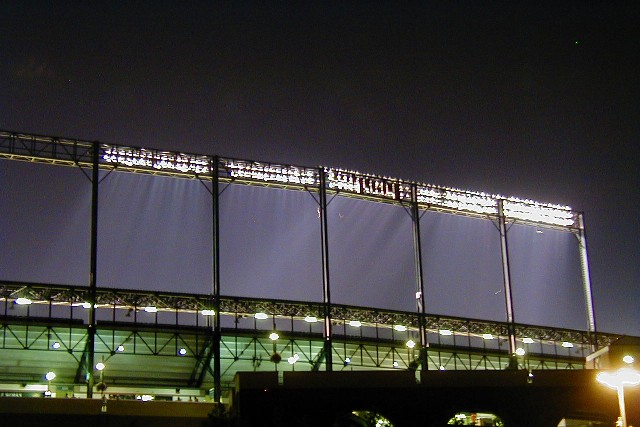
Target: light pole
{"points": [[49, 376], [626, 376]]}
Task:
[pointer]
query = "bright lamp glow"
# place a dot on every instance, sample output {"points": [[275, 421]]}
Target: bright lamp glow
{"points": [[355, 323], [628, 359], [527, 340], [55, 345], [445, 332], [100, 366], [487, 336], [208, 312], [273, 336], [50, 376], [311, 319], [86, 305], [23, 301], [182, 351], [151, 309], [400, 328], [261, 316], [293, 359], [622, 377], [120, 349], [520, 351], [411, 343], [567, 344]]}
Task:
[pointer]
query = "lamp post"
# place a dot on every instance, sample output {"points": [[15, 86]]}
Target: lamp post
{"points": [[49, 376], [626, 376]]}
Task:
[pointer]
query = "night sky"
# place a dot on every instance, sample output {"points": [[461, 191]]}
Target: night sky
{"points": [[539, 101]]}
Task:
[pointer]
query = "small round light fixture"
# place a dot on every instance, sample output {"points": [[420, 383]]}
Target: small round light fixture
{"points": [[23, 301], [151, 309], [100, 366], [50, 376], [208, 312], [520, 351], [273, 336], [311, 319], [628, 359], [120, 348], [411, 343], [261, 316], [400, 328], [55, 345], [182, 351], [355, 323]]}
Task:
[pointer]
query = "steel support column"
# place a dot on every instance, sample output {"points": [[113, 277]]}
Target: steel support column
{"points": [[420, 305], [91, 330], [325, 271], [506, 275], [586, 283], [217, 336]]}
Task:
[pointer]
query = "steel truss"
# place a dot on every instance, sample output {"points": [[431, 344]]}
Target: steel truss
{"points": [[428, 330], [56, 322]]}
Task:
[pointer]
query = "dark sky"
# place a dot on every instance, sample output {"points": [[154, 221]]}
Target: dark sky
{"points": [[536, 100]]}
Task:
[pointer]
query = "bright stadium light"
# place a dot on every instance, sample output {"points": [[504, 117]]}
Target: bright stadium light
{"points": [[487, 336], [50, 376], [261, 316], [520, 351], [23, 301], [311, 319], [400, 328], [527, 340], [567, 344], [100, 366], [208, 312], [273, 336], [355, 323], [151, 309], [55, 345], [618, 380], [446, 332], [411, 343]]}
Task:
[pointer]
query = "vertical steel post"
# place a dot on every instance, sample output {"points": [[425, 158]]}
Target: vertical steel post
{"points": [[506, 275], [417, 250], [215, 198], [93, 269], [326, 290], [586, 283]]}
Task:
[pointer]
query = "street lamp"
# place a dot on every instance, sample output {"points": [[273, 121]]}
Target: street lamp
{"points": [[626, 376]]}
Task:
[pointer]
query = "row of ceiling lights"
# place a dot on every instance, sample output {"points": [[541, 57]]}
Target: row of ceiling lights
{"points": [[313, 319]]}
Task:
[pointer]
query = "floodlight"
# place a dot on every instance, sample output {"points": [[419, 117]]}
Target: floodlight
{"points": [[100, 366], [23, 301], [567, 344], [355, 323], [527, 340], [400, 328], [411, 343], [520, 351], [487, 336], [273, 336], [628, 359], [86, 305], [120, 348], [311, 319], [208, 312], [445, 332], [55, 345], [261, 316], [50, 376], [182, 351], [151, 309]]}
